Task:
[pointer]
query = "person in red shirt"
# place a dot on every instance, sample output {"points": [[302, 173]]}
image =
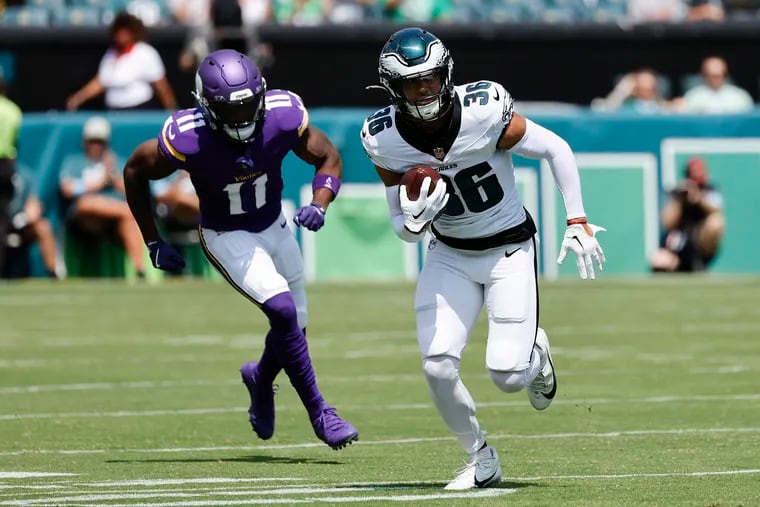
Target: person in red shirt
{"points": [[131, 73]]}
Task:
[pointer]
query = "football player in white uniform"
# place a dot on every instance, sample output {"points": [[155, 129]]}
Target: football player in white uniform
{"points": [[483, 249]]}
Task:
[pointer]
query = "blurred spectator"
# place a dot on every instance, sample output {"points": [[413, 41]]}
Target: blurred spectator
{"points": [[639, 91], [693, 222], [149, 11], [418, 11], [10, 127], [256, 12], [742, 8], [92, 189], [129, 72], [227, 25], [302, 12], [221, 24], [354, 11], [644, 11], [705, 10], [28, 225], [177, 208], [195, 15], [715, 94]]}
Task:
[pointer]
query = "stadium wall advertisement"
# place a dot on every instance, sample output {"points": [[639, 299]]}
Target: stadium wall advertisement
{"points": [[626, 162]]}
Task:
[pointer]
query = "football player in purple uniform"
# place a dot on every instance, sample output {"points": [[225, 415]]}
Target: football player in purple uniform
{"points": [[232, 145]]}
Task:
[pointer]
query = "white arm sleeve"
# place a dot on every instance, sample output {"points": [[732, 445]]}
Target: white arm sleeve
{"points": [[539, 142], [397, 216]]}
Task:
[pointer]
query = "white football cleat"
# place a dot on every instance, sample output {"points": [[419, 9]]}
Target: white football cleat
{"points": [[542, 389], [482, 471]]}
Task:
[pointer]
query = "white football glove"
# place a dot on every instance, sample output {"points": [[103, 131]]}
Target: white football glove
{"points": [[580, 239], [417, 214]]}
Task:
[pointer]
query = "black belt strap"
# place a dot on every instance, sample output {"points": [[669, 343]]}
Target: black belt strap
{"points": [[516, 234]]}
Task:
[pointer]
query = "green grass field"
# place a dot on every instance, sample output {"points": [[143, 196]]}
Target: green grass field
{"points": [[116, 394]]}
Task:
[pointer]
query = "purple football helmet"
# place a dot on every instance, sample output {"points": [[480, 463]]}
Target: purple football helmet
{"points": [[230, 91]]}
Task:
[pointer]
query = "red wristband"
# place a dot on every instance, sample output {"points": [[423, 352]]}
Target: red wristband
{"points": [[580, 220]]}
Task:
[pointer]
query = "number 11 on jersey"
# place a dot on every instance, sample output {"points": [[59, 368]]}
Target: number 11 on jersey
{"points": [[235, 193]]}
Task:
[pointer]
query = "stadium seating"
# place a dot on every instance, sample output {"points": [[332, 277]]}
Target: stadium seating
{"points": [[25, 16], [157, 12], [510, 11], [78, 16], [83, 12], [47, 4]]}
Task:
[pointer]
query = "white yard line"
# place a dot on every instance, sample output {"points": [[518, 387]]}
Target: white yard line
{"points": [[327, 340], [751, 471], [375, 407], [15, 487], [107, 386], [94, 499], [326, 379], [400, 441], [121, 413], [194, 480], [210, 497], [69, 488], [28, 475], [485, 493], [89, 497]]}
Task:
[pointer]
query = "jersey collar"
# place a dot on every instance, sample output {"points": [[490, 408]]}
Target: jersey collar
{"points": [[436, 143]]}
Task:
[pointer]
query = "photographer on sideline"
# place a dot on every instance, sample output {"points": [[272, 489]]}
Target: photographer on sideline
{"points": [[693, 223]]}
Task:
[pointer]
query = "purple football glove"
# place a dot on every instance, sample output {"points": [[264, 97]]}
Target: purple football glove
{"points": [[165, 257], [312, 217]]}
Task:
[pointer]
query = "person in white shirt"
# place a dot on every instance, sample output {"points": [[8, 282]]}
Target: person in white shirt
{"points": [[674, 11], [646, 11], [131, 72], [716, 95]]}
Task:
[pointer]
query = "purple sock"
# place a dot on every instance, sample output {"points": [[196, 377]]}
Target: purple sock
{"points": [[288, 344], [269, 367]]}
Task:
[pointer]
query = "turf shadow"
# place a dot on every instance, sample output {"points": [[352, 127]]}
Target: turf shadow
{"points": [[431, 485], [275, 460]]}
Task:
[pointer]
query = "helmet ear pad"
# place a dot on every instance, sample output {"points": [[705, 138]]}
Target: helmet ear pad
{"points": [[230, 91]]}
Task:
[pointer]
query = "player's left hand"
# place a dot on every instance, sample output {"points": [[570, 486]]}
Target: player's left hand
{"points": [[165, 257], [312, 217], [580, 239]]}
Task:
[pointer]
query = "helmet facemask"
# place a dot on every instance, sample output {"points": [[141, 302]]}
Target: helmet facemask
{"points": [[425, 97], [239, 119]]}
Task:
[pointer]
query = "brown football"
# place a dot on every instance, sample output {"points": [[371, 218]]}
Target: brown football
{"points": [[414, 177]]}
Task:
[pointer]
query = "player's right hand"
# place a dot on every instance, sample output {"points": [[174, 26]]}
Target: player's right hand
{"points": [[427, 207], [165, 257]]}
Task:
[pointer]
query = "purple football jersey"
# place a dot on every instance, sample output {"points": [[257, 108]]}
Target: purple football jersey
{"points": [[239, 185]]}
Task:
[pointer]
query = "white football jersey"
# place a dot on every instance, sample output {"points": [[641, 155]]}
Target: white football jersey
{"points": [[480, 178]]}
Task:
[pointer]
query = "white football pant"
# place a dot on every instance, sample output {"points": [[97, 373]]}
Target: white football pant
{"points": [[451, 291], [259, 265]]}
